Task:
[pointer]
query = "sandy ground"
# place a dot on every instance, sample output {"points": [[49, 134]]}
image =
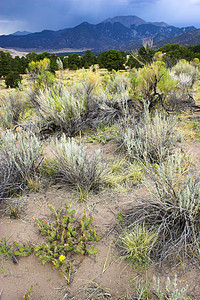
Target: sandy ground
{"points": [[106, 269]]}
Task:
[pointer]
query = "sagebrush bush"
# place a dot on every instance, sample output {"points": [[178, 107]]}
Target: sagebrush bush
{"points": [[12, 108], [150, 139], [116, 84], [174, 210], [75, 167], [184, 75], [171, 290], [20, 156], [61, 108]]}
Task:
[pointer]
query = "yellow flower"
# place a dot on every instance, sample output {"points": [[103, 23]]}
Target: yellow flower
{"points": [[61, 258]]}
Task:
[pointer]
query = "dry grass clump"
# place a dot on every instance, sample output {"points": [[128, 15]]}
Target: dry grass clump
{"points": [[173, 211], [20, 156], [122, 175], [75, 167], [92, 291]]}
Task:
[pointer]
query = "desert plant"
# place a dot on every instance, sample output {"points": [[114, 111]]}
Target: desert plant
{"points": [[147, 83], [13, 79], [173, 210], [141, 289], [28, 293], [172, 292], [39, 73], [185, 75], [91, 291], [61, 109], [75, 167], [103, 134], [65, 237], [123, 175], [116, 83], [110, 101], [150, 139], [171, 89], [14, 250], [12, 108], [137, 244], [20, 156], [144, 290]]}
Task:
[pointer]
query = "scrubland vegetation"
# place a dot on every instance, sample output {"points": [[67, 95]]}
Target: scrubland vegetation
{"points": [[47, 124]]}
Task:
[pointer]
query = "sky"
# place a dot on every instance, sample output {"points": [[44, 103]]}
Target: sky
{"points": [[38, 15]]}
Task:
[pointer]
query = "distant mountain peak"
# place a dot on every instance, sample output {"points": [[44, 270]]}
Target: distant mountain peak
{"points": [[120, 33], [126, 20], [21, 33]]}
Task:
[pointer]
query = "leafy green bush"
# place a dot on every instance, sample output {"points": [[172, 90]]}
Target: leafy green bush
{"points": [[14, 250], [170, 89], [39, 73], [13, 79]]}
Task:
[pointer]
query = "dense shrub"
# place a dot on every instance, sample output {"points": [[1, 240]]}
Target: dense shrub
{"points": [[12, 108], [173, 211], [61, 108], [150, 139], [13, 79], [20, 156], [75, 167]]}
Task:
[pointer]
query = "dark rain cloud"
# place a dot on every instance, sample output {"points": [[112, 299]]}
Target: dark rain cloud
{"points": [[36, 15]]}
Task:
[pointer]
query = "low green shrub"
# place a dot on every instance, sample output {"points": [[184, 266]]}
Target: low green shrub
{"points": [[65, 237]]}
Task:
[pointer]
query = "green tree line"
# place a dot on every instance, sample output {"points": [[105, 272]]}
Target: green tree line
{"points": [[11, 68]]}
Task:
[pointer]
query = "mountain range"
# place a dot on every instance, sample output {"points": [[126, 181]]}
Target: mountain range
{"points": [[120, 33]]}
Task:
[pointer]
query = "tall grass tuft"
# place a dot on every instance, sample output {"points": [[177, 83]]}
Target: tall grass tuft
{"points": [[137, 244]]}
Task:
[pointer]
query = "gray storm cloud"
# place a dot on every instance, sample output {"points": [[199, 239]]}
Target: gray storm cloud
{"points": [[36, 15]]}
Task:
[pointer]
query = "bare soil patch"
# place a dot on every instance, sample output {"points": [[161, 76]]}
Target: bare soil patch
{"points": [[106, 269]]}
